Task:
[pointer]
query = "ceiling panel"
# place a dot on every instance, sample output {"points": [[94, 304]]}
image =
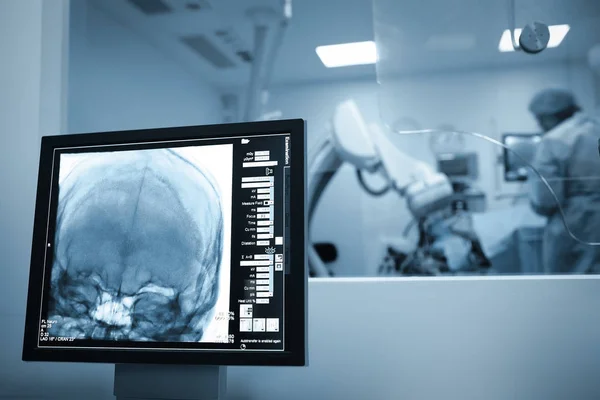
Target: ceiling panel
{"points": [[418, 35]]}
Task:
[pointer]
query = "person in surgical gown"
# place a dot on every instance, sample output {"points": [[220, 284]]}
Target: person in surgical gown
{"points": [[567, 157]]}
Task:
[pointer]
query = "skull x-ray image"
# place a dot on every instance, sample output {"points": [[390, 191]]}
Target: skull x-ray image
{"points": [[142, 245]]}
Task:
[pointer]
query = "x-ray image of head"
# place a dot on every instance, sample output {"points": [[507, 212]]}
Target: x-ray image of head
{"points": [[141, 249]]}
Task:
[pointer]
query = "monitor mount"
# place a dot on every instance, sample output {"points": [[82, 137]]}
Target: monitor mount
{"points": [[169, 382]]}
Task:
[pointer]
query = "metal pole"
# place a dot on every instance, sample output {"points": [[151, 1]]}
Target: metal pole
{"points": [[254, 90]]}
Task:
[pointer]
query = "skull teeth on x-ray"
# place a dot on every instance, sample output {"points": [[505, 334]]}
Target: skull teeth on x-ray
{"points": [[138, 247]]}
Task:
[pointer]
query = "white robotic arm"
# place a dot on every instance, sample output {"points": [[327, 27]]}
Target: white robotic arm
{"points": [[368, 149], [425, 189]]}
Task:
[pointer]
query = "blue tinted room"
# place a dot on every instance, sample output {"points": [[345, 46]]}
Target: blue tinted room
{"points": [[439, 166]]}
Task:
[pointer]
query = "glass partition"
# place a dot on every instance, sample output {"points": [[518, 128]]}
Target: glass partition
{"points": [[429, 158], [509, 120]]}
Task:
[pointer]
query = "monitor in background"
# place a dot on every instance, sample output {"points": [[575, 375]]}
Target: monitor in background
{"points": [[458, 166], [462, 170], [519, 151], [170, 246]]}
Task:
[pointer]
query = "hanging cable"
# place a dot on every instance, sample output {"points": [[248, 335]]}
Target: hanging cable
{"points": [[372, 192]]}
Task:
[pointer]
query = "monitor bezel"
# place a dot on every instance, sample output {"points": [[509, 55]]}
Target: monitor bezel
{"points": [[295, 323], [505, 153]]}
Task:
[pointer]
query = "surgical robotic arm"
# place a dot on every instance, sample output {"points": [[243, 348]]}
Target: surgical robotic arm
{"points": [[369, 150]]}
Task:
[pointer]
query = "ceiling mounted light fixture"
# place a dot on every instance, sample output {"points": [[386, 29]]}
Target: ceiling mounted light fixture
{"points": [[348, 54], [557, 35]]}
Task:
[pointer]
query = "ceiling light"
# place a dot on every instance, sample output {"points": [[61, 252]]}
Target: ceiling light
{"points": [[557, 35], [347, 54]]}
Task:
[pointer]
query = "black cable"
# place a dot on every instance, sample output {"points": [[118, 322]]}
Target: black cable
{"points": [[372, 192]]}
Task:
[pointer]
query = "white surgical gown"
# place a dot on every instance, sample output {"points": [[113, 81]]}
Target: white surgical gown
{"points": [[568, 158]]}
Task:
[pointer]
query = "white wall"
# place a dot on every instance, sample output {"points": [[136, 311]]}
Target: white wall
{"points": [[20, 33], [32, 89], [491, 102], [117, 80]]}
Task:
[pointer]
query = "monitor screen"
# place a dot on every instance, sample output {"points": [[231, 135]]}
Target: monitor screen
{"points": [[519, 151], [179, 243], [458, 165]]}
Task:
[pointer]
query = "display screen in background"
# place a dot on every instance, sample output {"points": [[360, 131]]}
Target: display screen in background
{"points": [[521, 152], [458, 165]]}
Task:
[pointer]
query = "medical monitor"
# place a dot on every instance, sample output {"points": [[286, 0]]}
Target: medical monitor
{"points": [[461, 166], [519, 151], [176, 245]]}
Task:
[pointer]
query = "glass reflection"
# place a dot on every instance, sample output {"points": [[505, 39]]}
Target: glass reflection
{"points": [[493, 106]]}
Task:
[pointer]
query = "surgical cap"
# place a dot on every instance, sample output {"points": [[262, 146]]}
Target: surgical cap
{"points": [[552, 101]]}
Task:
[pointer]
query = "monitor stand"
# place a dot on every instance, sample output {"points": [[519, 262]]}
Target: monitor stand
{"points": [[181, 382]]}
